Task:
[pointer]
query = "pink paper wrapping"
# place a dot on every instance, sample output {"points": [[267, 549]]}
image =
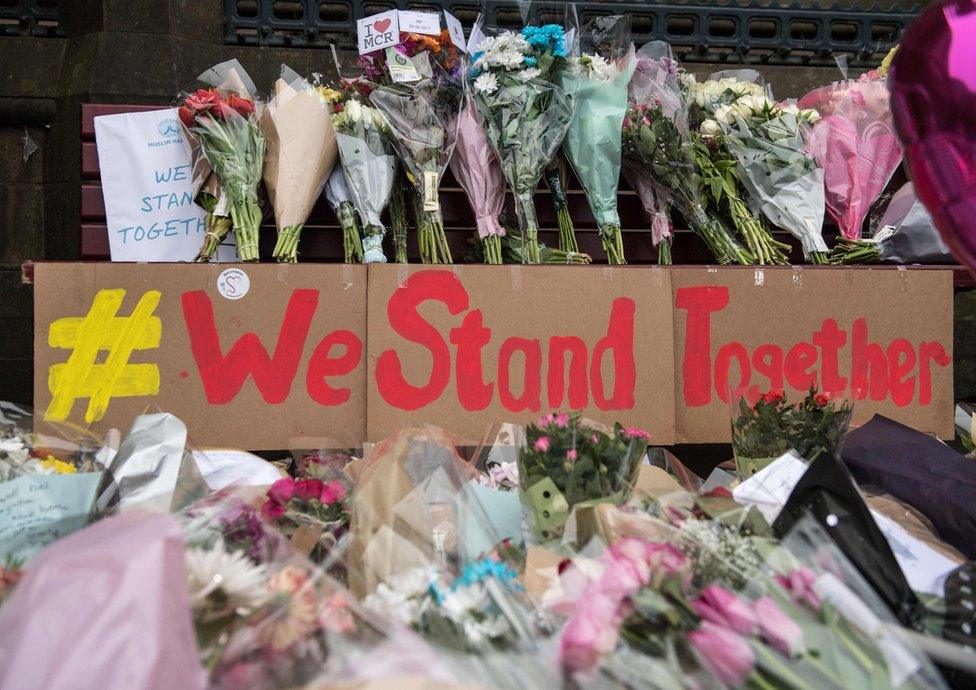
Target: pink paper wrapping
{"points": [[477, 169], [653, 204], [105, 608], [856, 145]]}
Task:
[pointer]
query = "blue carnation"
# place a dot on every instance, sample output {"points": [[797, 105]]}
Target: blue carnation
{"points": [[531, 60]]}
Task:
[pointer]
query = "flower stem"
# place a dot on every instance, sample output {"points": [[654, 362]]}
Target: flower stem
{"points": [[529, 224], [664, 253], [492, 248], [398, 220], [246, 217], [613, 244], [352, 243], [567, 233], [286, 248]]}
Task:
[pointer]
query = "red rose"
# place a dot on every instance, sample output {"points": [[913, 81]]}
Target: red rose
{"points": [[271, 511], [187, 116], [282, 490], [202, 99], [308, 489], [822, 399], [772, 397], [332, 492], [243, 106]]}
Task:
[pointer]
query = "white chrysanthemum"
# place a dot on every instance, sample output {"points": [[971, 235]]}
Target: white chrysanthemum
{"points": [[398, 605], [458, 603], [486, 83], [527, 74], [596, 67], [240, 582]]}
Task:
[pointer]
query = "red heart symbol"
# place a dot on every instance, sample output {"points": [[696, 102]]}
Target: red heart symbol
{"points": [[382, 25]]}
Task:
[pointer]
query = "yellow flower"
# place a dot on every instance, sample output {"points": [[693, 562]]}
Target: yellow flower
{"points": [[328, 94], [59, 466]]}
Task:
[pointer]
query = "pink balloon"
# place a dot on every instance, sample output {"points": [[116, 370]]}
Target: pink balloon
{"points": [[933, 99]]}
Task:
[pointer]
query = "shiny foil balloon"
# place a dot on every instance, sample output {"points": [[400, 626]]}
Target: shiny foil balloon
{"points": [[933, 99]]}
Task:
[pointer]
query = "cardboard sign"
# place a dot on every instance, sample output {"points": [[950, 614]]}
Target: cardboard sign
{"points": [[148, 187], [286, 359], [467, 346], [883, 335], [251, 356], [378, 31]]}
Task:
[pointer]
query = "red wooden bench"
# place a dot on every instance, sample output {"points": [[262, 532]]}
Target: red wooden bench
{"points": [[321, 240]]}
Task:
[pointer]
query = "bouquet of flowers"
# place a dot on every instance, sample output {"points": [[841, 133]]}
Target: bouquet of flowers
{"points": [[657, 144], [599, 77], [300, 155], [211, 199], [856, 145], [227, 128], [514, 252], [479, 173], [565, 463], [769, 142], [422, 109], [312, 513], [719, 168], [526, 113], [365, 149], [768, 428], [656, 206]]}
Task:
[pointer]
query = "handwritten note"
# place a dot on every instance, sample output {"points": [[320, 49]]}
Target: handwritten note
{"points": [[39, 509], [147, 187]]}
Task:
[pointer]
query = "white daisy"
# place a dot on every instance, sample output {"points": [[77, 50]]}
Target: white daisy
{"points": [[239, 581]]}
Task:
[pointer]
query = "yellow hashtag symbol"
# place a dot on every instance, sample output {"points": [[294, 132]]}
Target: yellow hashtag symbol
{"points": [[82, 376]]}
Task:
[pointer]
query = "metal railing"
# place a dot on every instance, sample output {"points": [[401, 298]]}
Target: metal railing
{"points": [[791, 32], [32, 17]]}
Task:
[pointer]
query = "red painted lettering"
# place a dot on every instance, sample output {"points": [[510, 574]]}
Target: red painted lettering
{"points": [[558, 348], [799, 360], [532, 377], [619, 340], [830, 339], [928, 353], [869, 365], [223, 376], [470, 338], [901, 362], [723, 363], [696, 368], [401, 311], [767, 360], [323, 365]]}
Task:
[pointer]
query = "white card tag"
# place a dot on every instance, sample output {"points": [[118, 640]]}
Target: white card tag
{"points": [[420, 23], [378, 31], [401, 67], [476, 38], [456, 30]]}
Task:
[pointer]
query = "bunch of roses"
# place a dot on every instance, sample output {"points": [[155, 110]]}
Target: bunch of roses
{"points": [[211, 102], [302, 495]]}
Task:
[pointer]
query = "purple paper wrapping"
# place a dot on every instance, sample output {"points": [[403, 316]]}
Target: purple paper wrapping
{"points": [[105, 608], [477, 169], [653, 202]]}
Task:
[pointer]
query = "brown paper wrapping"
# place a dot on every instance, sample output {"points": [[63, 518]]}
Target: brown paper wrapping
{"points": [[913, 522], [391, 525], [300, 152]]}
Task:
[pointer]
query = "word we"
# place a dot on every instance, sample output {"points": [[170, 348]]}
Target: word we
{"points": [[901, 370]]}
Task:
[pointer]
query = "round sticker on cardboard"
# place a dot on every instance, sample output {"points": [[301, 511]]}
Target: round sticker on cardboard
{"points": [[233, 283]]}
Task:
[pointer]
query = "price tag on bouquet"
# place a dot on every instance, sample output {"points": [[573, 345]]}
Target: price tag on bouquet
{"points": [[402, 69]]}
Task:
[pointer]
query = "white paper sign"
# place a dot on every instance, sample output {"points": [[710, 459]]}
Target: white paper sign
{"points": [[420, 23], [456, 30], [222, 468], [146, 182], [378, 31], [476, 38]]}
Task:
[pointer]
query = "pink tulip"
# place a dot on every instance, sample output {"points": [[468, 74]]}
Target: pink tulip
{"points": [[721, 607], [778, 629], [800, 585], [729, 656]]}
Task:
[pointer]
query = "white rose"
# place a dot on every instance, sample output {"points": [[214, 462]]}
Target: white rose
{"points": [[754, 103], [710, 128], [724, 114], [810, 115], [353, 110]]}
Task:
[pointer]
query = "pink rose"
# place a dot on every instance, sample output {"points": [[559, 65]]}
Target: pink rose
{"points": [[271, 511], [282, 490], [332, 492], [720, 606], [542, 444], [571, 455], [591, 633], [309, 489], [545, 421], [778, 629], [729, 657], [561, 420]]}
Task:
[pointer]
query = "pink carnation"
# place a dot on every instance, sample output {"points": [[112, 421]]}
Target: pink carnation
{"points": [[634, 432]]}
